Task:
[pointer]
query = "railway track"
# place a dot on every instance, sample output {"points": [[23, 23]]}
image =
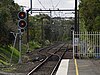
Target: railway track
{"points": [[49, 65]]}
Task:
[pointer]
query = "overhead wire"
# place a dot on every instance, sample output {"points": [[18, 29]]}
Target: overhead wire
{"points": [[41, 4], [53, 7], [57, 4], [52, 4]]}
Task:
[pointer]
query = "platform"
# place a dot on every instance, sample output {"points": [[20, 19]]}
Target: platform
{"points": [[80, 67], [63, 67], [88, 67]]}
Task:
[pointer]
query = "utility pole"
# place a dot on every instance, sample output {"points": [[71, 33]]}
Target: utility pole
{"points": [[27, 30], [27, 12], [42, 34], [31, 5], [51, 26], [78, 21], [76, 26]]}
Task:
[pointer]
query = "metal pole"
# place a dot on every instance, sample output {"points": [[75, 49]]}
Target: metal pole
{"points": [[42, 36], [27, 31], [13, 46], [20, 43], [73, 44], [76, 27], [51, 26], [43, 33], [78, 21], [31, 6]]}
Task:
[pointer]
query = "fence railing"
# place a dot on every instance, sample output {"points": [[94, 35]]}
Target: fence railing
{"points": [[86, 44]]}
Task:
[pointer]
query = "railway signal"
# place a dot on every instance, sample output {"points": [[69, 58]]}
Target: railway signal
{"points": [[21, 27], [22, 22], [22, 30], [21, 15]]}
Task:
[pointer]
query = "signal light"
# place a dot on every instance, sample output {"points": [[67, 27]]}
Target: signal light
{"points": [[22, 30], [22, 23], [21, 15]]}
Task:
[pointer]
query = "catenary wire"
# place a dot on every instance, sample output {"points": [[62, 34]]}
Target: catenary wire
{"points": [[41, 4]]}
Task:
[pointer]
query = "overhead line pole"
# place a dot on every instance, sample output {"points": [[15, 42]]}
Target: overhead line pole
{"points": [[27, 30], [31, 5], [27, 11], [76, 26], [51, 24]]}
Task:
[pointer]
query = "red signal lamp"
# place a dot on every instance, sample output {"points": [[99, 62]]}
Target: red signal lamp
{"points": [[21, 15], [22, 23]]}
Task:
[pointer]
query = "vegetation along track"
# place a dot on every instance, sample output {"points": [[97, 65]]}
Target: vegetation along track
{"points": [[49, 65]]}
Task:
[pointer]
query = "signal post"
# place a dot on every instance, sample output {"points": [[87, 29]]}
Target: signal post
{"points": [[21, 28]]}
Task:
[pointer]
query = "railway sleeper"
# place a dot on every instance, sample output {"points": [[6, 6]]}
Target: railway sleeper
{"points": [[53, 58], [38, 58]]}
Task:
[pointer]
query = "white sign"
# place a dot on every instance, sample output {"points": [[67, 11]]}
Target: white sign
{"points": [[76, 41]]}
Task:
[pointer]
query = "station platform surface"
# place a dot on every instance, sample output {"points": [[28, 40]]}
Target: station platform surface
{"points": [[63, 67], [79, 67], [88, 67]]}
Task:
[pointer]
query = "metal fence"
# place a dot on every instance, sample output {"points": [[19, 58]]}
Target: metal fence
{"points": [[86, 44]]}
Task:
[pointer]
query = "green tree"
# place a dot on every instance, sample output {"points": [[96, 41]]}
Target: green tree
{"points": [[39, 23], [8, 20], [8, 23], [89, 13]]}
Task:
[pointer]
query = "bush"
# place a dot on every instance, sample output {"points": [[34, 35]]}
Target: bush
{"points": [[34, 45]]}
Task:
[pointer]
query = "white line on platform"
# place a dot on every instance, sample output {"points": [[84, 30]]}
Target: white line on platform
{"points": [[63, 68]]}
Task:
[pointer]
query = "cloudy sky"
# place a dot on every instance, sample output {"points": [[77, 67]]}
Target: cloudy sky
{"points": [[48, 4]]}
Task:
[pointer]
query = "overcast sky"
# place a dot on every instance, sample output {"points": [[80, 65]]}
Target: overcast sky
{"points": [[48, 4]]}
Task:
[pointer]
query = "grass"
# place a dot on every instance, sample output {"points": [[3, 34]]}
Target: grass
{"points": [[5, 54], [34, 45], [3, 62]]}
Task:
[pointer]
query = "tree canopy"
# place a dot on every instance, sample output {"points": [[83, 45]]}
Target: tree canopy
{"points": [[8, 19], [90, 14]]}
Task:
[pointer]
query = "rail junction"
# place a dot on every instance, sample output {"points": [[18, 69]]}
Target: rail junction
{"points": [[56, 59], [80, 56]]}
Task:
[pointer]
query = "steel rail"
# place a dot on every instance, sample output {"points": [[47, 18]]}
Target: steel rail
{"points": [[44, 61], [47, 48], [57, 65]]}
